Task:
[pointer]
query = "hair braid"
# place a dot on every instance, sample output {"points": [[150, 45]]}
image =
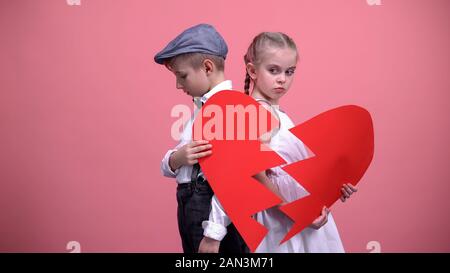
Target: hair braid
{"points": [[247, 83]]}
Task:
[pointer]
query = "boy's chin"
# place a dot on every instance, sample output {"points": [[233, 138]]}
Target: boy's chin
{"points": [[189, 94], [196, 94]]}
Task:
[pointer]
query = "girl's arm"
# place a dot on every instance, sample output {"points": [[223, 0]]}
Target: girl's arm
{"points": [[263, 179]]}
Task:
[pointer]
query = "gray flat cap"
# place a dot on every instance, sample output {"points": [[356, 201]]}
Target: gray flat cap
{"points": [[202, 38]]}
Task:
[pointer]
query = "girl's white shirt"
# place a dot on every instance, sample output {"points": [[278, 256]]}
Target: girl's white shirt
{"points": [[325, 239]]}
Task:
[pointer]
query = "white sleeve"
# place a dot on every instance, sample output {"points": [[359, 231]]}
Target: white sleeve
{"points": [[165, 167], [216, 227]]}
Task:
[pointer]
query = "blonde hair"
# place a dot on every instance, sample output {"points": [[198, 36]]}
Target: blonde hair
{"points": [[257, 47]]}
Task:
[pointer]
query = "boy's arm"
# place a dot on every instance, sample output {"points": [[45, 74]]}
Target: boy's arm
{"points": [[187, 154], [165, 166], [216, 227]]}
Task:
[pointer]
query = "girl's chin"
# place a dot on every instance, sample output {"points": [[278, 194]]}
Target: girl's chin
{"points": [[278, 94]]}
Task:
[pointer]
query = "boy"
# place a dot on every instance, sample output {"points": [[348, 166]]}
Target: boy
{"points": [[197, 58]]}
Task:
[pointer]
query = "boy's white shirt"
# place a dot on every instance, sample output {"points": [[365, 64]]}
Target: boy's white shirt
{"points": [[183, 174], [216, 226]]}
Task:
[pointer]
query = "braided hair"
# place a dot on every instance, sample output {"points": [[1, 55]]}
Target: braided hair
{"points": [[256, 50]]}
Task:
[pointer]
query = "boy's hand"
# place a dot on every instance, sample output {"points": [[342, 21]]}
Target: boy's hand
{"points": [[208, 245], [321, 220], [189, 154], [347, 190]]}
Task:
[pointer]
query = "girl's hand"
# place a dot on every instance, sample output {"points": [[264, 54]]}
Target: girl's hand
{"points": [[347, 190], [190, 153], [321, 220], [208, 245]]}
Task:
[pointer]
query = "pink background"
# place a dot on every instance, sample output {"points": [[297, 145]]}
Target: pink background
{"points": [[85, 115]]}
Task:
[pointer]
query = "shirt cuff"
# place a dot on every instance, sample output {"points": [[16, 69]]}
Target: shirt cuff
{"points": [[213, 230], [165, 167]]}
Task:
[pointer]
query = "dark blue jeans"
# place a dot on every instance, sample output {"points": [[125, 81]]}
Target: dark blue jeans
{"points": [[194, 206]]}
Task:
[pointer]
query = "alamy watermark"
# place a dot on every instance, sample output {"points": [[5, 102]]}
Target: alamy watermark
{"points": [[229, 122]]}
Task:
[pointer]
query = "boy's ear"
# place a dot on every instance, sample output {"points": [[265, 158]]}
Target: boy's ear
{"points": [[251, 70], [208, 65]]}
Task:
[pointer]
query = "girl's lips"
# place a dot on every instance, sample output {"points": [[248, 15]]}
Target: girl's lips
{"points": [[279, 90]]}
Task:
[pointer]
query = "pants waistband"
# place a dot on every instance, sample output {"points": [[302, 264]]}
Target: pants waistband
{"points": [[195, 184]]}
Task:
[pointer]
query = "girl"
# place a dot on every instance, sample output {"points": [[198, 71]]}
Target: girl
{"points": [[270, 65]]}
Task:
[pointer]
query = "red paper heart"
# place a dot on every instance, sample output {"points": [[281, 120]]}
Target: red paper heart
{"points": [[341, 139]]}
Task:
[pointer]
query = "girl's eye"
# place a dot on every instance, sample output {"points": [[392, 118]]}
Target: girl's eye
{"points": [[290, 72], [183, 77], [273, 70]]}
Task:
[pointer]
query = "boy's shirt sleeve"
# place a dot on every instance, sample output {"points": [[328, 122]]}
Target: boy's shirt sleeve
{"points": [[165, 167], [185, 138], [215, 227]]}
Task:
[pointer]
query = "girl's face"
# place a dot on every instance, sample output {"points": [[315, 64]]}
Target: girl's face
{"points": [[274, 74]]}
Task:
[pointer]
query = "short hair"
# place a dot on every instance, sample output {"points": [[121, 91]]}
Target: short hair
{"points": [[196, 60]]}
